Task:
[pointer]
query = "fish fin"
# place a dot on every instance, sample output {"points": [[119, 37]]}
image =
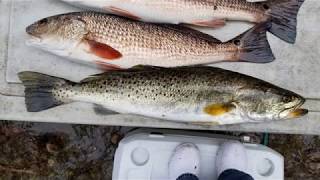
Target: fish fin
{"points": [[123, 12], [297, 113], [114, 71], [103, 50], [38, 90], [145, 67], [95, 77], [219, 109], [107, 66], [284, 18], [192, 32], [253, 45], [101, 110], [212, 123], [216, 23]]}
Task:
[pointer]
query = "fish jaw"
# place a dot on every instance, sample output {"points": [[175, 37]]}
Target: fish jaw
{"points": [[33, 41], [51, 45], [295, 111]]}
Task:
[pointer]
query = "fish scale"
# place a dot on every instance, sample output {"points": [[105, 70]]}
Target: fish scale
{"points": [[185, 94], [282, 14], [102, 39]]}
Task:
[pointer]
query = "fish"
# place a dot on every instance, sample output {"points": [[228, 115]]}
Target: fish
{"points": [[193, 94], [111, 42], [208, 13]]}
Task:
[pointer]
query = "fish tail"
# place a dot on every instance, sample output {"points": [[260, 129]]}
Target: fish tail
{"points": [[39, 90], [253, 45], [284, 18]]}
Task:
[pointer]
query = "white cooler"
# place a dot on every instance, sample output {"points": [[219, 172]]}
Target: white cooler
{"points": [[144, 155]]}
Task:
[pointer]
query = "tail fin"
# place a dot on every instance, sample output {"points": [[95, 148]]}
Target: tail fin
{"points": [[284, 18], [253, 45], [38, 91]]}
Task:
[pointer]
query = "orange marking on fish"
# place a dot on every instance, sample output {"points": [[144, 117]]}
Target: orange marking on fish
{"points": [[218, 109], [216, 23], [106, 66], [124, 13], [103, 50]]}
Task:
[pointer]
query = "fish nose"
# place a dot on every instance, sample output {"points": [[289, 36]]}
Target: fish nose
{"points": [[300, 100], [30, 29]]}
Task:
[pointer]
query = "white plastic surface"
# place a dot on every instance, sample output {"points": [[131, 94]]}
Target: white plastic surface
{"points": [[264, 163]]}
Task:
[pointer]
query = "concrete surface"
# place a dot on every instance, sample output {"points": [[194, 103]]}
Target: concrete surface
{"points": [[296, 68]]}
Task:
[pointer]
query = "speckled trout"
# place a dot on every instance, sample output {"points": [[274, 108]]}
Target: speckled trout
{"points": [[210, 13], [184, 94], [113, 42]]}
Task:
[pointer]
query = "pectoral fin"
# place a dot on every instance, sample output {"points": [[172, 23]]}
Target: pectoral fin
{"points": [[122, 12], [103, 50], [219, 109], [216, 23], [107, 66], [212, 123]]}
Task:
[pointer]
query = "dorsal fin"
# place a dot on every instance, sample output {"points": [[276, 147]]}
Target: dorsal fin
{"points": [[94, 77], [136, 68], [190, 31]]}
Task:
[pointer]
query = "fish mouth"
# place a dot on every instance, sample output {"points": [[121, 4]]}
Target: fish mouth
{"points": [[295, 111], [33, 40]]}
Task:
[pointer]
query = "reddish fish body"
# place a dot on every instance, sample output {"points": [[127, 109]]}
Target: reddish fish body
{"points": [[116, 42], [210, 13]]}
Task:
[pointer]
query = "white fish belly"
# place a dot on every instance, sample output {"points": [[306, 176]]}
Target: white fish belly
{"points": [[191, 114]]}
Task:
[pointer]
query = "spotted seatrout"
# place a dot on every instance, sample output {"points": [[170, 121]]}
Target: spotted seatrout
{"points": [[211, 13], [115, 42], [184, 94]]}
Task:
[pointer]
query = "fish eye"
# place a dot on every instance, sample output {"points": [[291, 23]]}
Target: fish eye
{"points": [[266, 6], [43, 21], [236, 42], [287, 99]]}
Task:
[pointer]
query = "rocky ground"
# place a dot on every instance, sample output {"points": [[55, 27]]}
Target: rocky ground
{"points": [[56, 151]]}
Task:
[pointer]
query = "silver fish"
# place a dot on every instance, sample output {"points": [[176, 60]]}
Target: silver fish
{"points": [[205, 95]]}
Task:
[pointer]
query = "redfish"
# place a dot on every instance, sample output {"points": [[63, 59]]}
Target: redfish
{"points": [[210, 13], [114, 42]]}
